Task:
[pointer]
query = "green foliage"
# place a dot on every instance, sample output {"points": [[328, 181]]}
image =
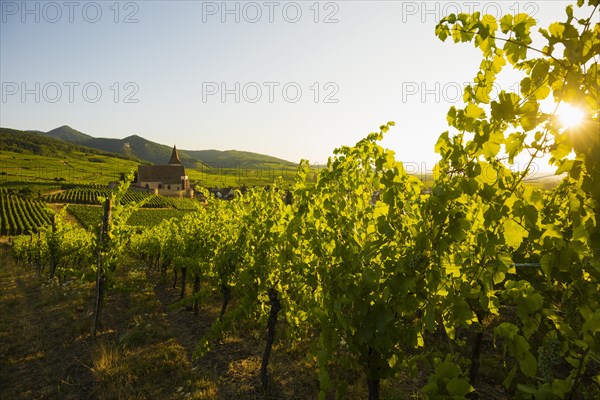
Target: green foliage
{"points": [[369, 270], [117, 233], [505, 220], [448, 381], [381, 265], [65, 245], [354, 232]]}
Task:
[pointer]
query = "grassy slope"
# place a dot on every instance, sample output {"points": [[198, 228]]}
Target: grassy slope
{"points": [[77, 168], [32, 143], [29, 157], [33, 158], [72, 167]]}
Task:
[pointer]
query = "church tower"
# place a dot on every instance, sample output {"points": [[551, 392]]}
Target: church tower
{"points": [[175, 157], [168, 180]]}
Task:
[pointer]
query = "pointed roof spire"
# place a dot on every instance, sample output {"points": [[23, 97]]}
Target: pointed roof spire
{"points": [[175, 157]]}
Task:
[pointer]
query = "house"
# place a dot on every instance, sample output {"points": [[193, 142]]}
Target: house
{"points": [[223, 194], [167, 180]]}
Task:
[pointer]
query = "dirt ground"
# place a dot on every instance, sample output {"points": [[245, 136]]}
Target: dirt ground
{"points": [[143, 351], [56, 207]]}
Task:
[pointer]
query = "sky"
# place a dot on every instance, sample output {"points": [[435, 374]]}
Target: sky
{"points": [[290, 79]]}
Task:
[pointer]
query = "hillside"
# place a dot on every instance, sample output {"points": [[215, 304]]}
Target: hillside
{"points": [[28, 158], [33, 143], [235, 158], [139, 148], [67, 134], [34, 158]]}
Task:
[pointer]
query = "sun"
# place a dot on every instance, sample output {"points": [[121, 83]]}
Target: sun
{"points": [[570, 116]]}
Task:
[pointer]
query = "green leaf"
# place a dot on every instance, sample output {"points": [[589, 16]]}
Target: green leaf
{"points": [[539, 72], [515, 52], [532, 303], [580, 233], [447, 369], [510, 377], [506, 108], [498, 63], [560, 387], [506, 23], [474, 111], [592, 324], [528, 364], [514, 233], [529, 115], [526, 389], [491, 148], [442, 31], [514, 145], [556, 30], [546, 265], [459, 387], [431, 387]]}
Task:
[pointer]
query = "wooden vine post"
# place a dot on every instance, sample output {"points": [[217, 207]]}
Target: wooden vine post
{"points": [[53, 248], [100, 272], [271, 323]]}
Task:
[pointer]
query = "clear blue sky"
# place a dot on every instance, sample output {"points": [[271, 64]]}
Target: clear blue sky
{"points": [[378, 58]]}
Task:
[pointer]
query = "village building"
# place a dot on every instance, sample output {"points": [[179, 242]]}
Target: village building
{"points": [[166, 180]]}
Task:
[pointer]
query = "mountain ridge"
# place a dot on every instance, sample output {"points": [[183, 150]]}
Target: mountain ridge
{"points": [[140, 148]]}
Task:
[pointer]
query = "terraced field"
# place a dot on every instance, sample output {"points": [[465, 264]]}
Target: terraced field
{"points": [[19, 216], [91, 196]]}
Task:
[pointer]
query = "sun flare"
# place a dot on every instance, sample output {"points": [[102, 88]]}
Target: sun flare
{"points": [[570, 116]]}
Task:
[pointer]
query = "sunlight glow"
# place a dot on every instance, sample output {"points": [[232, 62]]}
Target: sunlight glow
{"points": [[570, 116]]}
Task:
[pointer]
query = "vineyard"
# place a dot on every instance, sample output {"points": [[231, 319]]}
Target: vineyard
{"points": [[90, 216], [378, 286], [92, 196], [20, 216], [481, 287]]}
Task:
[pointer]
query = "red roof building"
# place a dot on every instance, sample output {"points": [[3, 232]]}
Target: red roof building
{"points": [[169, 177]]}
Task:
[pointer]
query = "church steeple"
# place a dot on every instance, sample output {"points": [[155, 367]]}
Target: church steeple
{"points": [[175, 157]]}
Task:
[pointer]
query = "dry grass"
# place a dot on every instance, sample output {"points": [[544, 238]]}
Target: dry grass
{"points": [[42, 350], [153, 371]]}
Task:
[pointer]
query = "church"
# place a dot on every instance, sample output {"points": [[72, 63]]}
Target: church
{"points": [[166, 180]]}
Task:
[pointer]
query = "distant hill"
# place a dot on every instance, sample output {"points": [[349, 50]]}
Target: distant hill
{"points": [[68, 134], [29, 142], [137, 147], [30, 159]]}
